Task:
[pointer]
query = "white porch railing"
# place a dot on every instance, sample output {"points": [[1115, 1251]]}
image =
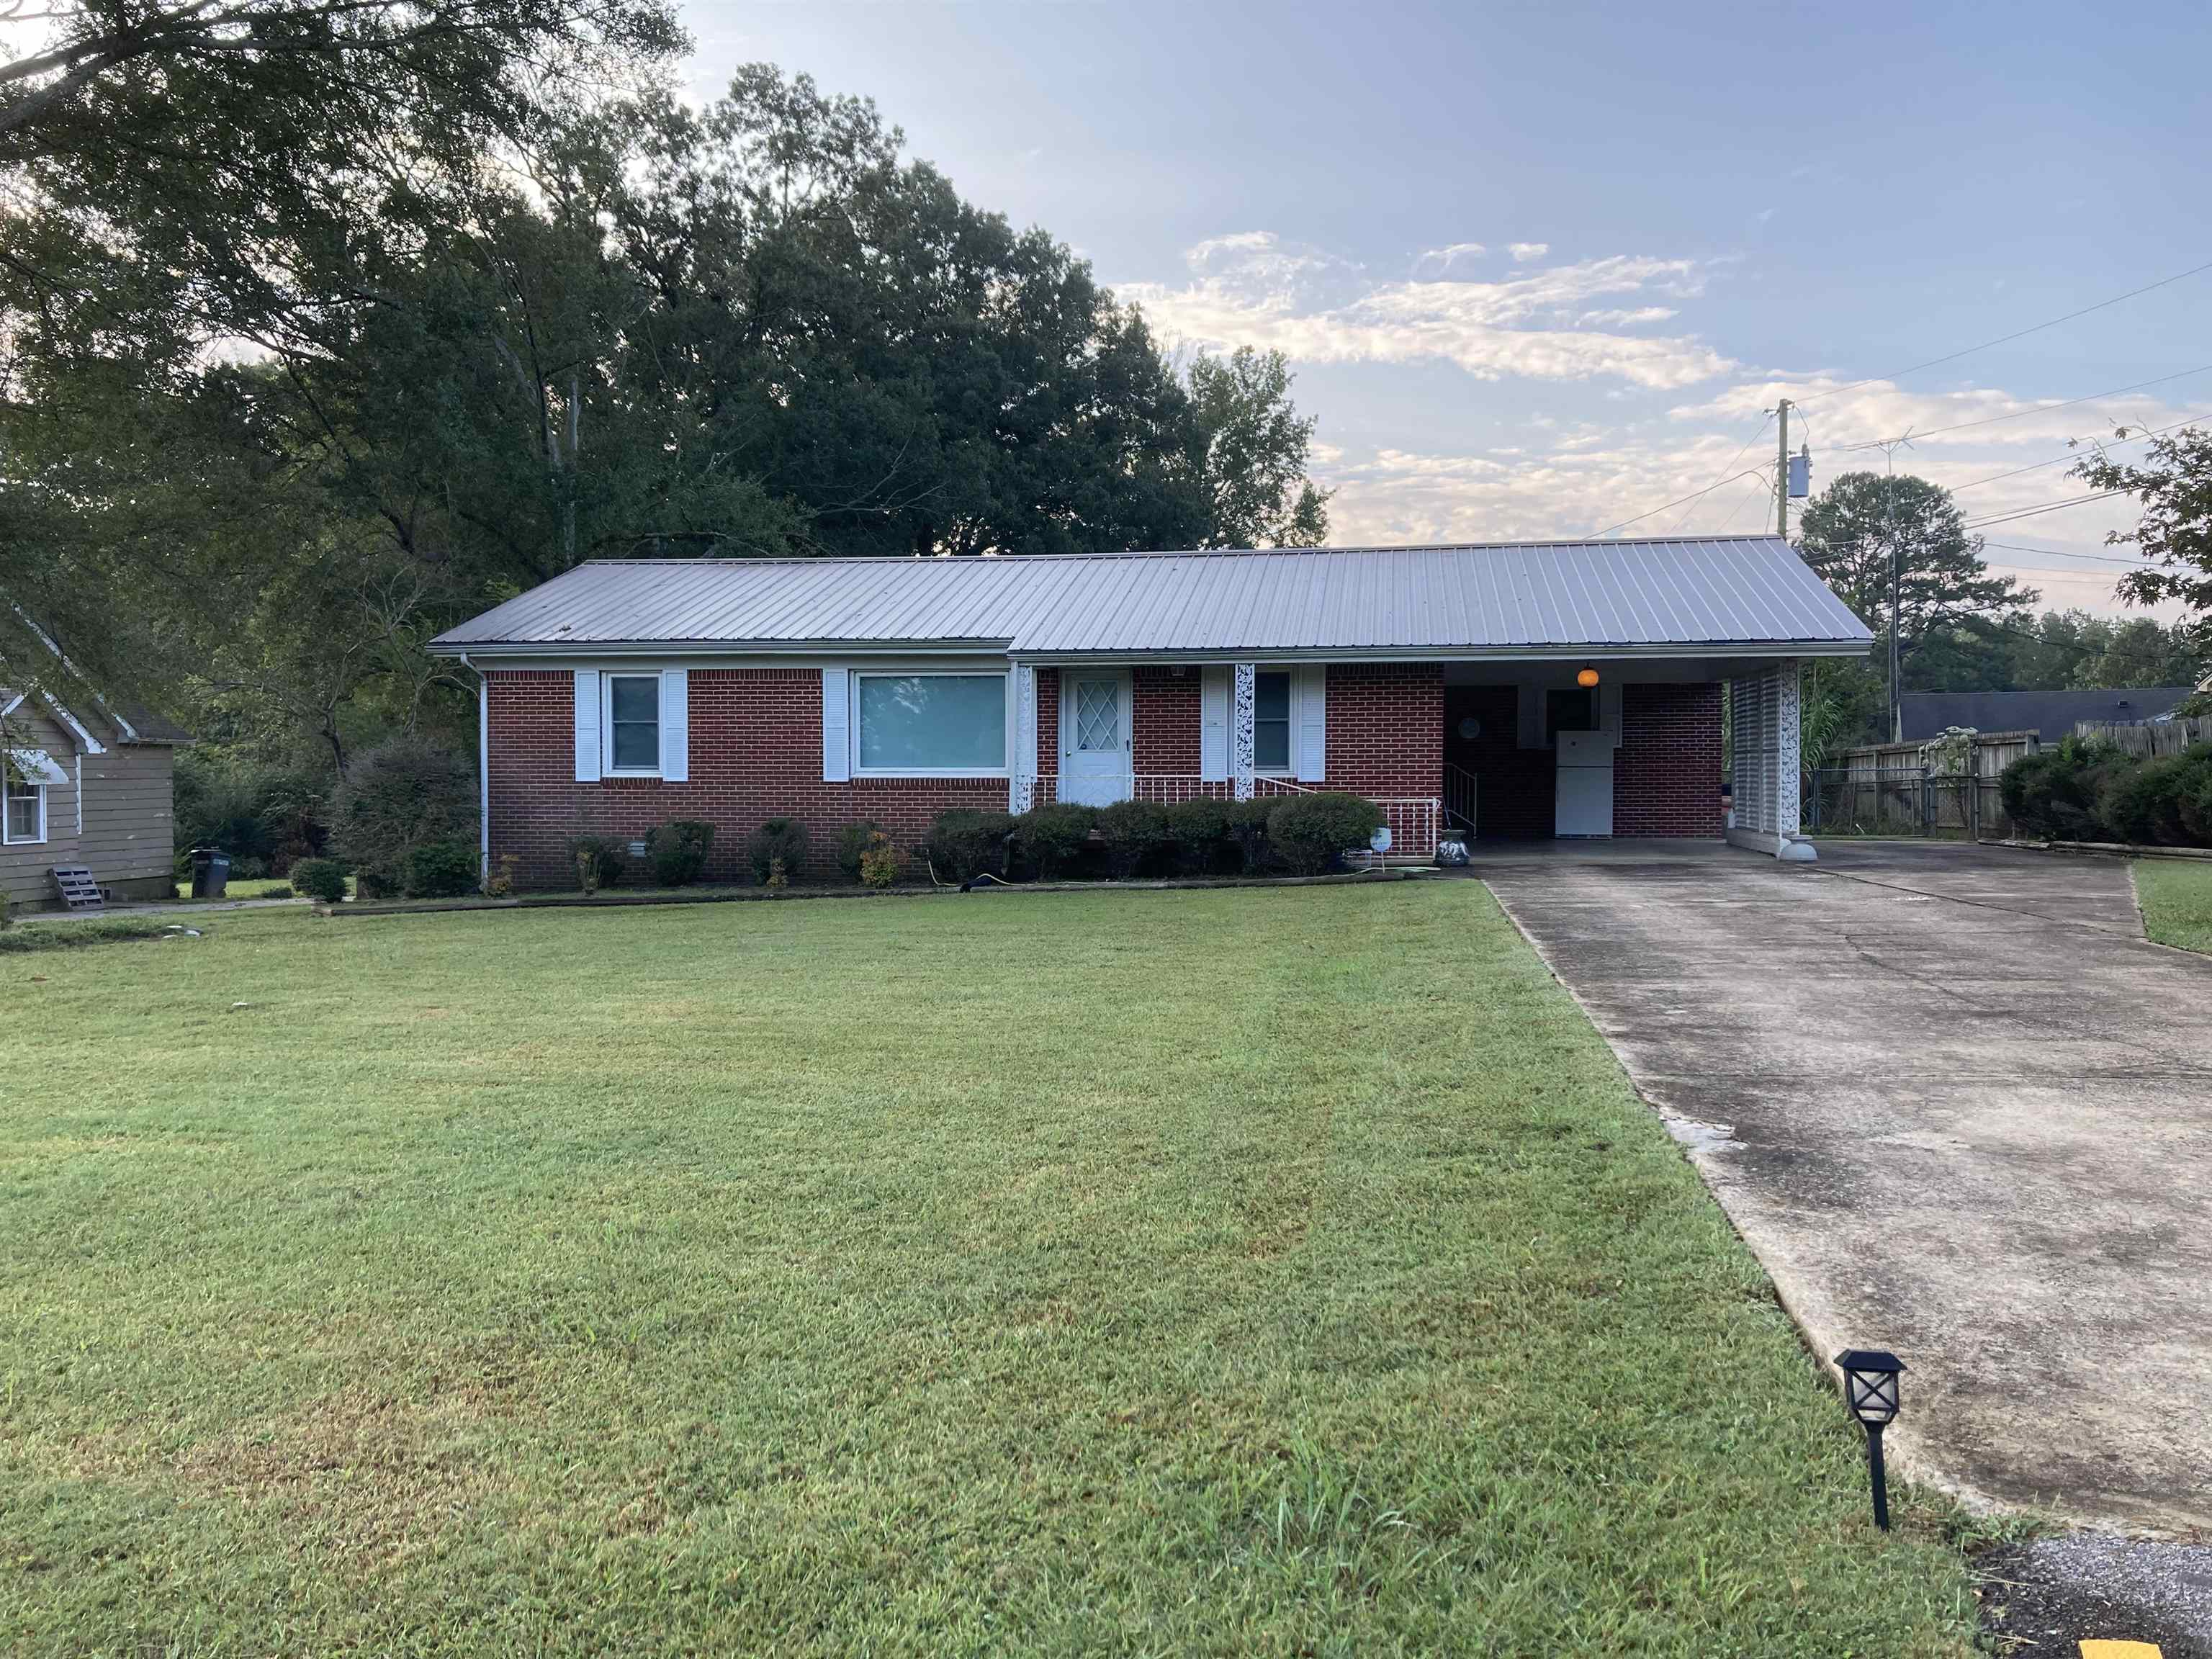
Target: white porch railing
{"points": [[1414, 821]]}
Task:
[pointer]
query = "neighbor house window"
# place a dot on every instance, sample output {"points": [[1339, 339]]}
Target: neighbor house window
{"points": [[1271, 723], [26, 809], [931, 723], [633, 723]]}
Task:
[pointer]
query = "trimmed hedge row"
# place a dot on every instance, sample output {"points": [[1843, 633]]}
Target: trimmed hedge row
{"points": [[1300, 835], [2083, 790]]}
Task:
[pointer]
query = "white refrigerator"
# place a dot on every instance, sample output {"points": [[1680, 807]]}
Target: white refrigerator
{"points": [[1585, 784]]}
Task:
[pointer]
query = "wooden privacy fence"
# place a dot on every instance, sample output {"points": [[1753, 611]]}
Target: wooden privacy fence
{"points": [[2152, 739], [1886, 789]]}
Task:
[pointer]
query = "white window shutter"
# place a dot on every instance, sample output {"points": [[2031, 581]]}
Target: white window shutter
{"points": [[1214, 725], [836, 726], [1310, 686], [587, 725], [675, 726]]}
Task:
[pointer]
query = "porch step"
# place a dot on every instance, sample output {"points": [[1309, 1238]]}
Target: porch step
{"points": [[79, 891]]}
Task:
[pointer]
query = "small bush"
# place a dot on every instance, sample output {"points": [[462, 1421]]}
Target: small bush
{"points": [[1205, 835], [777, 838], [2056, 793], [394, 799], [2143, 804], [442, 869], [678, 850], [1247, 830], [323, 880], [964, 842], [1307, 832], [853, 843], [1052, 837], [1136, 838], [879, 861], [600, 861], [501, 882], [2197, 800]]}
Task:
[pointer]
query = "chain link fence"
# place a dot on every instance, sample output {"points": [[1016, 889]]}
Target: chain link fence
{"points": [[1903, 801]]}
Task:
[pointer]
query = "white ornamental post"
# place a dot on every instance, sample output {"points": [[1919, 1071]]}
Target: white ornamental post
{"points": [[1021, 780], [1243, 705], [1787, 778]]}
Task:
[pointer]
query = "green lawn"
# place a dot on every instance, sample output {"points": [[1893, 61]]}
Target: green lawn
{"points": [[2177, 901], [1279, 1272]]}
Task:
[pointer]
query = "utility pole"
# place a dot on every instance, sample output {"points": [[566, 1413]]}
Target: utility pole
{"points": [[1896, 573], [1782, 475]]}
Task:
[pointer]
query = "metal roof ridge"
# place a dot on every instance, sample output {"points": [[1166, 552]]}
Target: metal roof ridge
{"points": [[968, 560]]}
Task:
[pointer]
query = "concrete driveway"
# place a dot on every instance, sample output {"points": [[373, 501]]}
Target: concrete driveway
{"points": [[1960, 1107]]}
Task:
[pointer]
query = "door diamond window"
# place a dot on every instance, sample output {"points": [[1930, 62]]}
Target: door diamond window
{"points": [[1098, 715]]}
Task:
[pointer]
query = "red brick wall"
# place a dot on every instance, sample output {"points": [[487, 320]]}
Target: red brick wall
{"points": [[1166, 720], [1667, 773], [1048, 762], [1386, 727], [755, 753]]}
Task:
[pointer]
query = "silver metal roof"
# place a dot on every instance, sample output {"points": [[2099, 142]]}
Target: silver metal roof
{"points": [[1750, 591]]}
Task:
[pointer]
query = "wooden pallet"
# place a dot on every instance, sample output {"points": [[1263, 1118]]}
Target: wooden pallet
{"points": [[79, 891]]}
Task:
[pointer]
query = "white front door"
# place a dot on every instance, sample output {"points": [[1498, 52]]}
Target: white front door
{"points": [[1095, 766]]}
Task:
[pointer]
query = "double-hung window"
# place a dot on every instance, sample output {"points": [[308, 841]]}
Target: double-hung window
{"points": [[632, 723], [1271, 722], [26, 804], [930, 725]]}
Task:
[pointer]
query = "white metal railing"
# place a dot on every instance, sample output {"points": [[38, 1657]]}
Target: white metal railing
{"points": [[1415, 821], [1462, 795]]}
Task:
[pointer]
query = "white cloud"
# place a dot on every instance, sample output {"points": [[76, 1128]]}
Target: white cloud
{"points": [[1523, 252], [1252, 289], [1438, 261]]}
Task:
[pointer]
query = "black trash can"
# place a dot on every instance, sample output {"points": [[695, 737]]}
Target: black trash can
{"points": [[210, 873]]}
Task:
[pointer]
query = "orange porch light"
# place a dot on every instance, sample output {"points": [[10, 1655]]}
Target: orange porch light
{"points": [[1587, 678]]}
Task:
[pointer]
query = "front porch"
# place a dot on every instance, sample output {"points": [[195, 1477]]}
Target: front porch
{"points": [[1500, 752]]}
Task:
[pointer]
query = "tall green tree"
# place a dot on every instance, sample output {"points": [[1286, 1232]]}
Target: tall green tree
{"points": [[1867, 525], [2173, 485]]}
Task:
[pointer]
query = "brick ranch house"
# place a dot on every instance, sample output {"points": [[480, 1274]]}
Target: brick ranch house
{"points": [[1526, 689]]}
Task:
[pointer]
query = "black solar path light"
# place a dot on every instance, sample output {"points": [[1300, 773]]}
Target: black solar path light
{"points": [[1870, 1390]]}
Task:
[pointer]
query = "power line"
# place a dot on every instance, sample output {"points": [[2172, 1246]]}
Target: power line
{"points": [[2056, 459], [1731, 461], [2048, 507], [2003, 339], [2133, 561], [1752, 472], [2039, 408]]}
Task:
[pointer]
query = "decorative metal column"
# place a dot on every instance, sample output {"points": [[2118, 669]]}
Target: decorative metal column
{"points": [[1021, 774], [1786, 753], [1242, 701]]}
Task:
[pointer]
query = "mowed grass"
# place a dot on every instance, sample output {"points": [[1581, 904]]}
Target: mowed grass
{"points": [[1280, 1271], [2176, 895]]}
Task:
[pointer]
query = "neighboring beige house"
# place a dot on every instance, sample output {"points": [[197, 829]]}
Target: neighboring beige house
{"points": [[84, 786]]}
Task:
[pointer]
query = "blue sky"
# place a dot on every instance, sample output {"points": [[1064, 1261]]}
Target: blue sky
{"points": [[1540, 270]]}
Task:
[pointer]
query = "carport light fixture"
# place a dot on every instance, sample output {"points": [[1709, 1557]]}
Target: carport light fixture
{"points": [[1586, 679], [1870, 1390]]}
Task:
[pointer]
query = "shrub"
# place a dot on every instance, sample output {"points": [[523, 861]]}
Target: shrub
{"points": [[1137, 840], [1247, 830], [252, 811], [320, 879], [964, 842], [678, 850], [777, 838], [442, 869], [853, 843], [2197, 798], [879, 861], [2161, 802], [1052, 837], [600, 861], [394, 799], [1307, 832], [501, 884], [2055, 793], [1205, 835]]}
